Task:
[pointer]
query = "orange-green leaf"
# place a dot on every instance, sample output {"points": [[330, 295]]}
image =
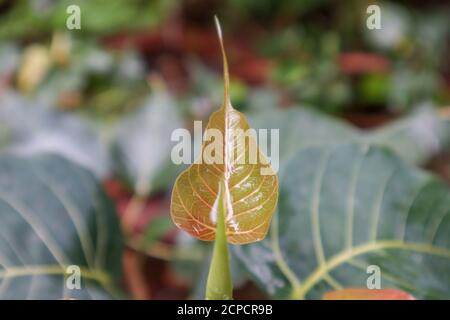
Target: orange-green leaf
{"points": [[251, 186], [367, 294]]}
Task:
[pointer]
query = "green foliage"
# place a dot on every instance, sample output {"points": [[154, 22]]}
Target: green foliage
{"points": [[34, 129], [35, 17], [95, 110], [141, 144], [54, 214], [415, 138], [156, 229], [345, 207]]}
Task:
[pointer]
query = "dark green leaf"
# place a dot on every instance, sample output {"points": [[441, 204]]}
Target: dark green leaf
{"points": [[157, 228], [343, 208], [142, 145], [32, 129], [302, 127], [53, 215], [415, 138]]}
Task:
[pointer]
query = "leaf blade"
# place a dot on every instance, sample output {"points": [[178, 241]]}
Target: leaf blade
{"points": [[51, 212], [409, 206]]}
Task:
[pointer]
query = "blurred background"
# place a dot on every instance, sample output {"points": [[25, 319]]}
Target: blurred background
{"points": [[108, 96]]}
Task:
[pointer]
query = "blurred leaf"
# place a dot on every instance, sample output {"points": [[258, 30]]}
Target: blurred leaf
{"points": [[142, 144], [410, 87], [416, 138], [130, 68], [31, 129], [344, 208], [58, 82], [301, 128], [195, 192], [367, 294], [156, 229], [54, 215], [431, 33], [262, 10], [206, 85], [191, 261], [9, 58], [262, 100], [34, 66]]}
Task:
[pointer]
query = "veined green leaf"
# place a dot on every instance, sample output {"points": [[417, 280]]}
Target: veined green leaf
{"points": [[28, 129], [345, 207], [53, 215]]}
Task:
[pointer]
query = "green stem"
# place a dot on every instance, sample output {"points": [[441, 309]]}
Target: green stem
{"points": [[219, 285]]}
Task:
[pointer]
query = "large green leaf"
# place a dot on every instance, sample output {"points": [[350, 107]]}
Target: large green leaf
{"points": [[26, 129], [345, 207], [53, 214]]}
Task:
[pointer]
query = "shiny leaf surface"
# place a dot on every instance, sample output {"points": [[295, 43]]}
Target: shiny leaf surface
{"points": [[228, 153], [347, 207], [54, 215], [29, 128]]}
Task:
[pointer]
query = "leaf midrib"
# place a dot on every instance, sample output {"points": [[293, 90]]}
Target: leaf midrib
{"points": [[92, 274], [300, 291]]}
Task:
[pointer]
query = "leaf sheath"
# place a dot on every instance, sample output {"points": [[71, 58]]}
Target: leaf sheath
{"points": [[219, 285]]}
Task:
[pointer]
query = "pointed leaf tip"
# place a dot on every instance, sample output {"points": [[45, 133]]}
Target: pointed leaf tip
{"points": [[218, 28], [226, 78]]}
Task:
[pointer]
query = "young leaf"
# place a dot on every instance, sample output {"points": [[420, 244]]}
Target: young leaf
{"points": [[367, 294], [251, 187], [140, 149]]}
